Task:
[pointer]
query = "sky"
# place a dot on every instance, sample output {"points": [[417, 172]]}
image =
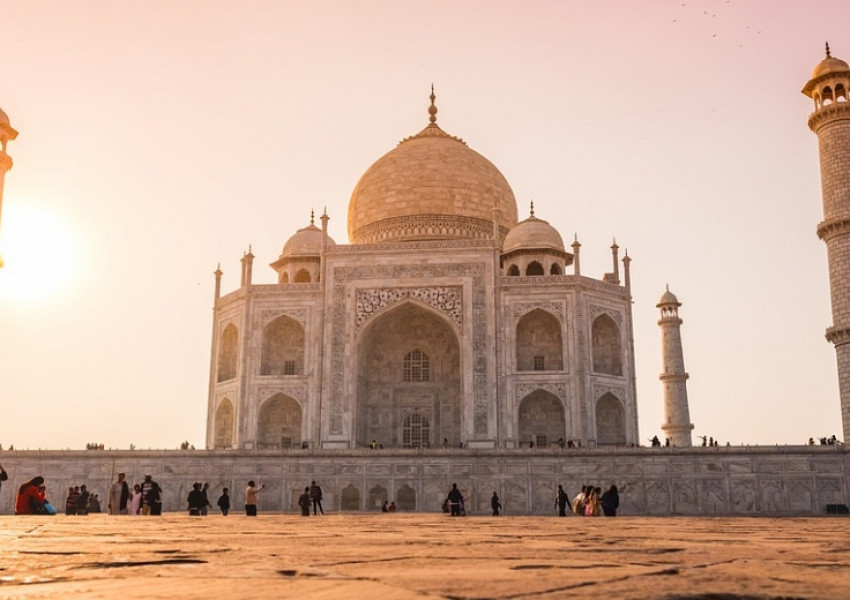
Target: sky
{"points": [[161, 138]]}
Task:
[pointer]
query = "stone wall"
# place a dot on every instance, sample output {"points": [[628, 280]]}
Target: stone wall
{"points": [[782, 480]]}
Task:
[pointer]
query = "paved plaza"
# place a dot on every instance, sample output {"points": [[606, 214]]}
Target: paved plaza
{"points": [[393, 556]]}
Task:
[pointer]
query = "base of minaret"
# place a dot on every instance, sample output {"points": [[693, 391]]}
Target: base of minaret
{"points": [[679, 435]]}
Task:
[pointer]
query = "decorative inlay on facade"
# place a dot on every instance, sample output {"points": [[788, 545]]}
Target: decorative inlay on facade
{"points": [[344, 276], [524, 389], [600, 389], [422, 245], [448, 300], [595, 311], [299, 314], [229, 393], [561, 280], [522, 308], [298, 393], [277, 288]]}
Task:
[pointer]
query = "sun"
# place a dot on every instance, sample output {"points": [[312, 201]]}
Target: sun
{"points": [[39, 251]]}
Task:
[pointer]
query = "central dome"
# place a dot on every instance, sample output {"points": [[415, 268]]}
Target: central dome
{"points": [[431, 186]]}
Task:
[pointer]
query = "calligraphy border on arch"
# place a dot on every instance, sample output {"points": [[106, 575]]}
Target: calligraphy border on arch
{"points": [[619, 391], [447, 299], [342, 278], [596, 310], [296, 392], [229, 394], [299, 314], [523, 308], [524, 389]]}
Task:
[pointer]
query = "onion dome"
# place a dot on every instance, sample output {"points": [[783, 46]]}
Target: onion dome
{"points": [[431, 186], [668, 297], [827, 67], [533, 233], [305, 242]]}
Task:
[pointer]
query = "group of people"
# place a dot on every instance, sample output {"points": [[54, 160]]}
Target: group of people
{"points": [[825, 441], [388, 506], [589, 502], [312, 496]]}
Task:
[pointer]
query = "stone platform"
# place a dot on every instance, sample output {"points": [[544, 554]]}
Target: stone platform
{"points": [[393, 556]]}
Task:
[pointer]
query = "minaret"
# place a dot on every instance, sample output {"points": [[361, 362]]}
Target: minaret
{"points": [[830, 121], [677, 421], [6, 134]]}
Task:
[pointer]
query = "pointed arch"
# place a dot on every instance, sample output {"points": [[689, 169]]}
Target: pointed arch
{"points": [[406, 498], [223, 428], [539, 343], [541, 419], [283, 349], [228, 351], [377, 496], [284, 277], [610, 421], [279, 423], [555, 269], [513, 271], [302, 276], [350, 498], [607, 351], [534, 268], [408, 361]]}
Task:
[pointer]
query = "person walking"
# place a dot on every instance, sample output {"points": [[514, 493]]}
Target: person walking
{"points": [[134, 507], [304, 502], [251, 494], [151, 496], [455, 499], [495, 504], [224, 502], [119, 494], [206, 505], [610, 501], [3, 476], [316, 497], [561, 501], [195, 500]]}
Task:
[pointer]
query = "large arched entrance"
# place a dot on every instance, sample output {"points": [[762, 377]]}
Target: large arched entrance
{"points": [[610, 421], [279, 424], [408, 381], [541, 419]]}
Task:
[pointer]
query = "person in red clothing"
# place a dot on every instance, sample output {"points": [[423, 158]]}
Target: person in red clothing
{"points": [[30, 499]]}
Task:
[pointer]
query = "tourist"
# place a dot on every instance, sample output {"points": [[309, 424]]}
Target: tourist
{"points": [[304, 502], [579, 500], [455, 499], [71, 500], [316, 497], [134, 507], [561, 501], [3, 475], [94, 503], [206, 505], [385, 507], [610, 501], [592, 507], [30, 498], [251, 493], [495, 504], [195, 500], [83, 501], [392, 507], [119, 494], [224, 502], [151, 496]]}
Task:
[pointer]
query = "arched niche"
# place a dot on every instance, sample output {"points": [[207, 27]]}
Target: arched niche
{"points": [[555, 269], [513, 271], [302, 276], [539, 343], [377, 496], [279, 423], [223, 428], [607, 351], [541, 419], [350, 498], [406, 498], [610, 421], [534, 268], [388, 393], [228, 351], [283, 348]]}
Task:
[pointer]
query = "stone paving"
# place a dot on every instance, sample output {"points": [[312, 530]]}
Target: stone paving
{"points": [[393, 556]]}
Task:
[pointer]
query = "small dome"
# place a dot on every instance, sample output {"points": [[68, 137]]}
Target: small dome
{"points": [[830, 65], [533, 233], [669, 297], [305, 242]]}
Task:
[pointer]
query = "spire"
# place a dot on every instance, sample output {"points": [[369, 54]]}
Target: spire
{"points": [[432, 110], [312, 217], [532, 208], [828, 55]]}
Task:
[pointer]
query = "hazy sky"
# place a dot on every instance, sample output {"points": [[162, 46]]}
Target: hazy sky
{"points": [[158, 138]]}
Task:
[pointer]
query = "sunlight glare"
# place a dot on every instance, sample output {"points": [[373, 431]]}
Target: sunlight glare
{"points": [[39, 250]]}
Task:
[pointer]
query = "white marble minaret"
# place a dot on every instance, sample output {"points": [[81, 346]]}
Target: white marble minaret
{"points": [[830, 121], [677, 421], [6, 134]]}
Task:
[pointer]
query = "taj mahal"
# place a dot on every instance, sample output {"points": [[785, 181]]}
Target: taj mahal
{"points": [[453, 339]]}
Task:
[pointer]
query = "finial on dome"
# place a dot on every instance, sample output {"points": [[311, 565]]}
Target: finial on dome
{"points": [[532, 208], [828, 55], [432, 110], [667, 285], [312, 217]]}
